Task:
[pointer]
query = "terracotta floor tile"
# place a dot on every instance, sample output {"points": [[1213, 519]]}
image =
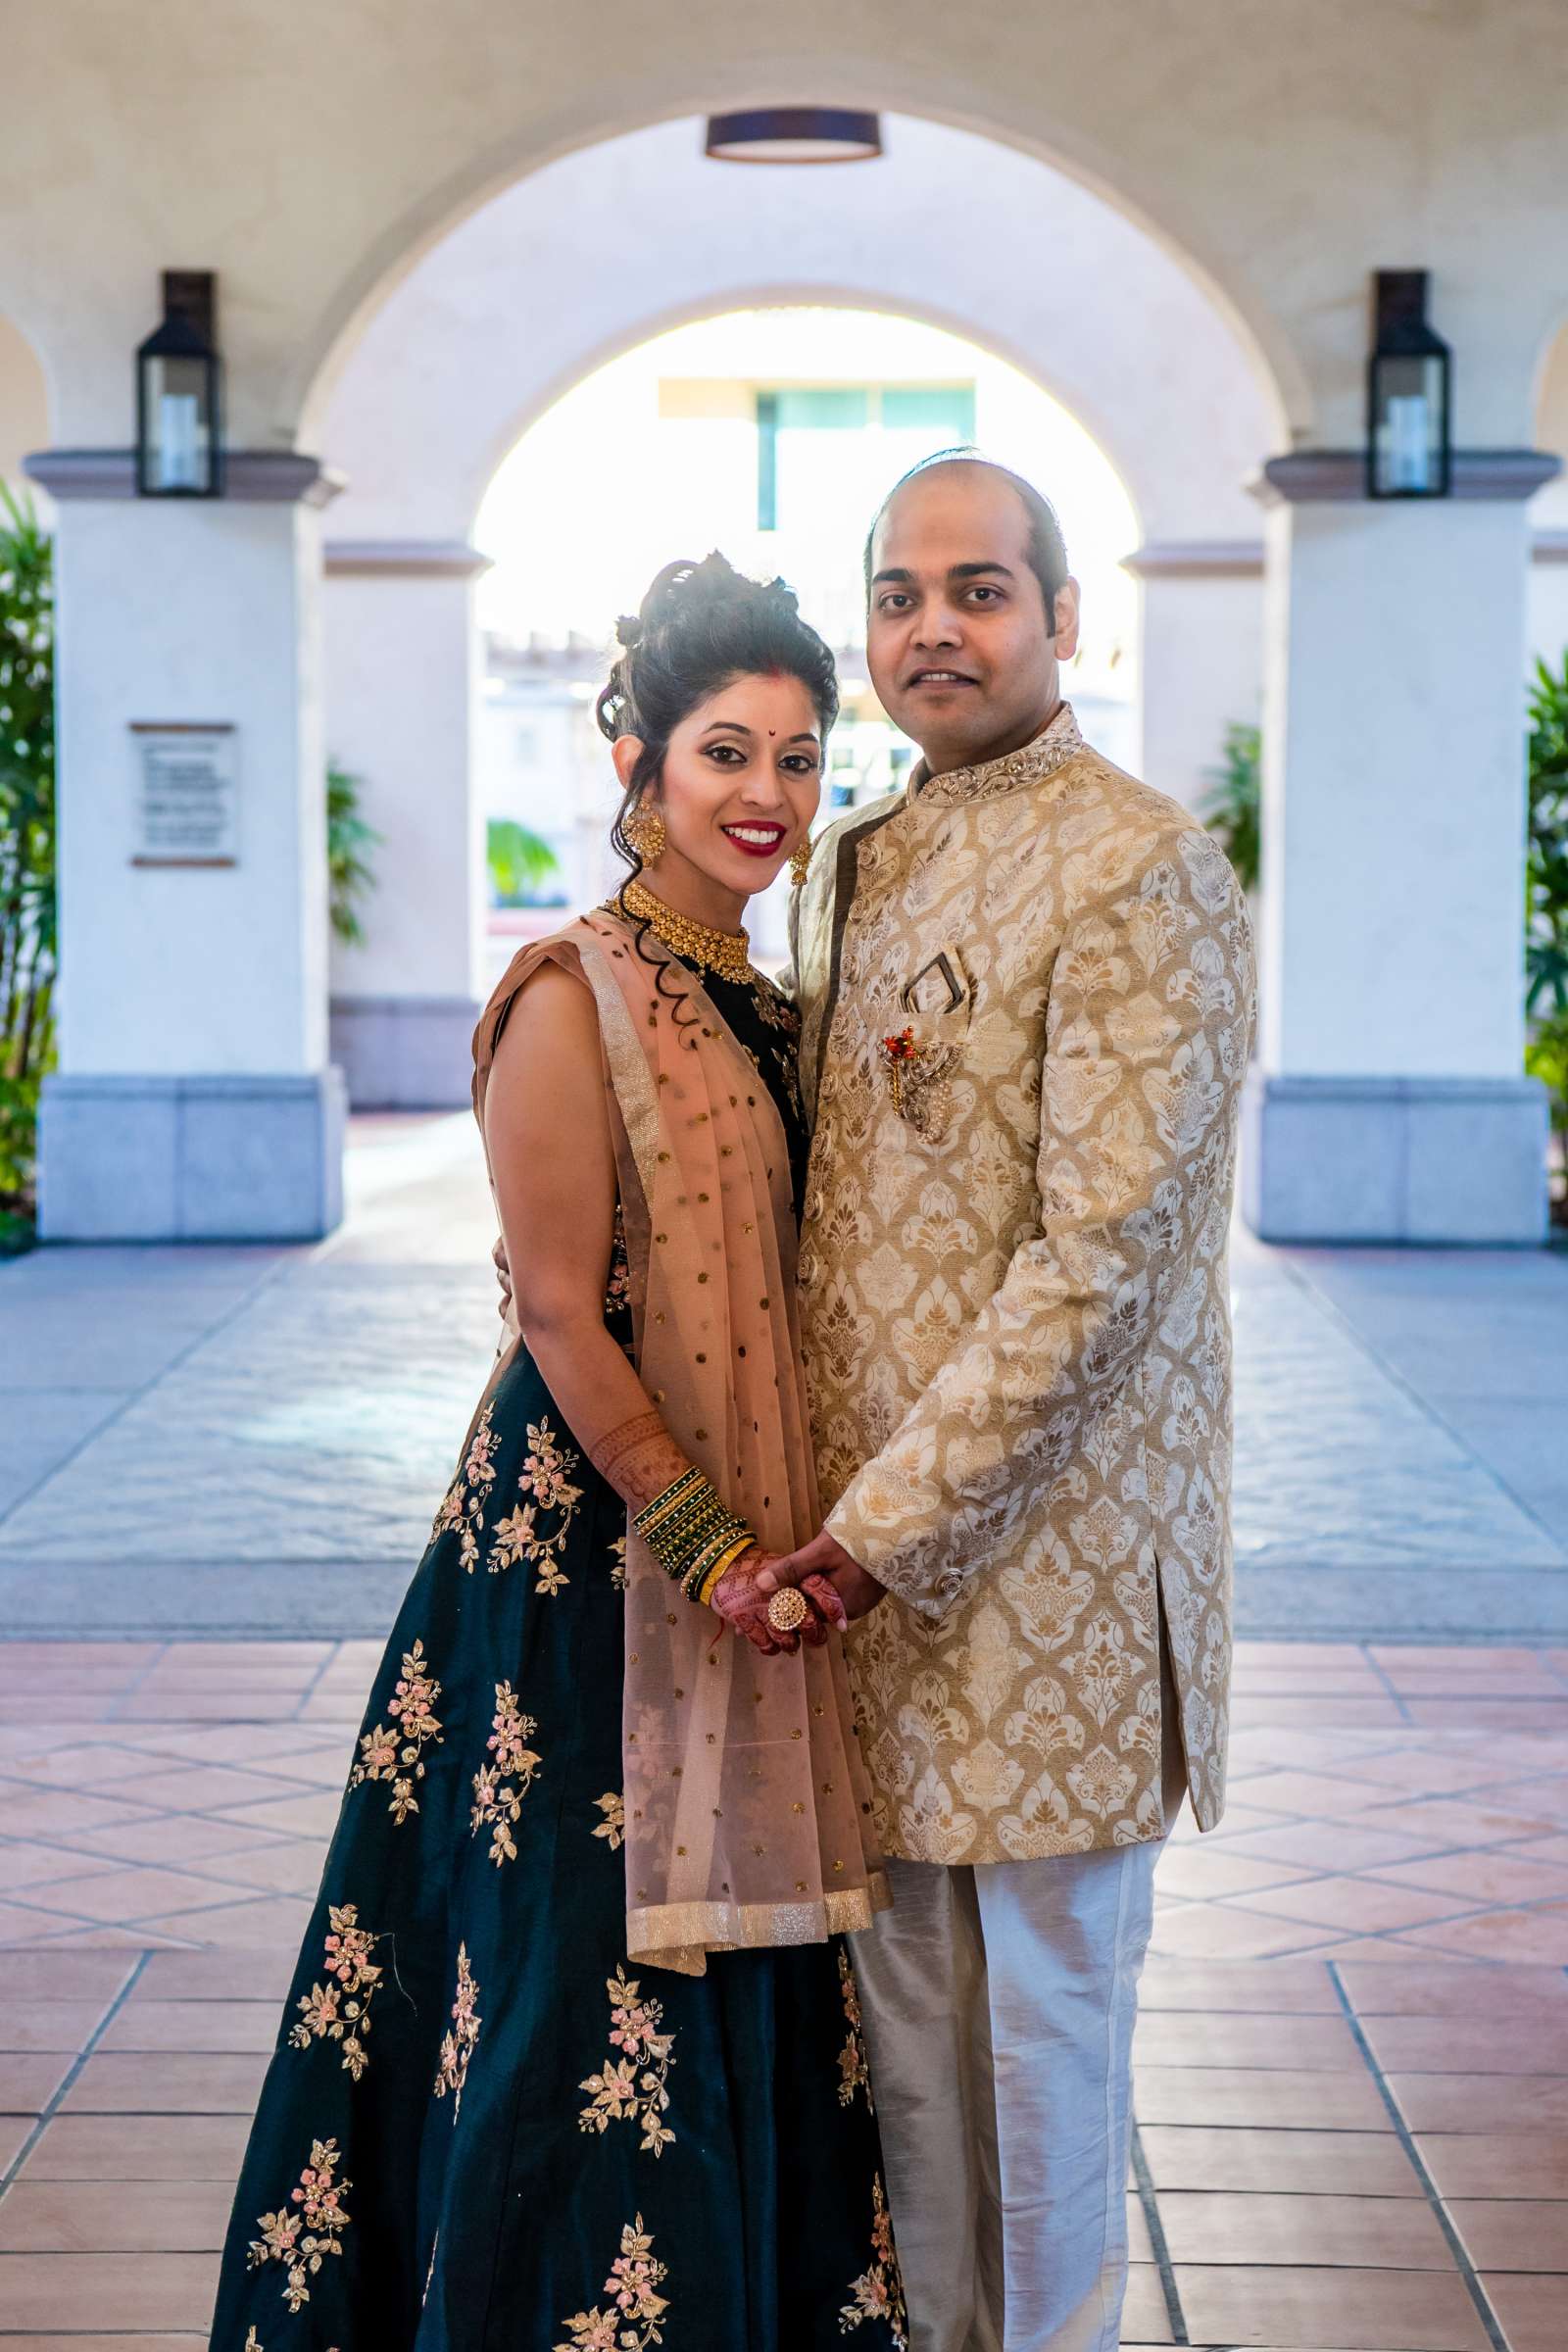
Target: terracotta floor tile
{"points": [[1427, 1772], [294, 1868], [1533, 2312], [1494, 1876], [1240, 1819], [232, 2025], [72, 2292], [62, 1938], [1140, 2246], [1433, 1988], [1367, 1709], [1253, 2096], [253, 1975], [115, 1896], [1227, 1932], [1478, 2044], [1539, 1935], [276, 1917], [188, 2340], [1333, 1845], [1548, 1716], [313, 1816], [1450, 1821], [1382, 2233], [28, 2081], [139, 2147], [1481, 2102], [80, 1977], [205, 1787], [174, 1837], [13, 2131], [1318, 1795], [1331, 2310], [166, 2084], [1216, 2038], [1496, 2164], [1199, 1873], [1553, 1848], [41, 1812], [95, 2217], [1454, 1658], [47, 2024], [25, 1863], [1364, 1905], [1352, 2164], [1540, 1792], [86, 1767], [1502, 2233], [1301, 1987]]}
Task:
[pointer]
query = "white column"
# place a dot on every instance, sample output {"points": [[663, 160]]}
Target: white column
{"points": [[1390, 1104], [193, 1099], [401, 680], [1202, 655]]}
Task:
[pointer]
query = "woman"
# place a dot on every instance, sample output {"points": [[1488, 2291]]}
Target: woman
{"points": [[571, 2062]]}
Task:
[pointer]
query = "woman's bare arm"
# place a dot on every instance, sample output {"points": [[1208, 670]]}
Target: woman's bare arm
{"points": [[547, 1126]]}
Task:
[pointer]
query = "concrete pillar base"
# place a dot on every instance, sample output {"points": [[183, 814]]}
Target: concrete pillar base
{"points": [[1433, 1161], [190, 1159], [406, 1053]]}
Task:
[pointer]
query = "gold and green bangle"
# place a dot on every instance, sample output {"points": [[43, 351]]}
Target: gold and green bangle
{"points": [[721, 1568], [692, 1533]]}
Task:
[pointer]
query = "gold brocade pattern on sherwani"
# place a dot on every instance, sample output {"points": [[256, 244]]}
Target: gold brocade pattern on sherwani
{"points": [[1015, 1307]]}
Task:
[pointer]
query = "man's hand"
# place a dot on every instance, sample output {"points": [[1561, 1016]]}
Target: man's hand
{"points": [[824, 1560], [498, 1258], [738, 1599]]}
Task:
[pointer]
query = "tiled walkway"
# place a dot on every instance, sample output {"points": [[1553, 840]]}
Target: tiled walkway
{"points": [[1353, 2089]]}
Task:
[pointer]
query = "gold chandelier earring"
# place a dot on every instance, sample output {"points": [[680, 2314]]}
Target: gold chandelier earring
{"points": [[801, 859], [644, 828]]}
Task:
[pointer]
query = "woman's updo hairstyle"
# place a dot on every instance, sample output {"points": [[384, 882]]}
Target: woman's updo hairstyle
{"points": [[700, 625]]}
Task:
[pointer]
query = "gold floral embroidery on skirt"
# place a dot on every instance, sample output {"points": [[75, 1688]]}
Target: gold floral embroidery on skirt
{"points": [[546, 1486], [462, 1510], [613, 1805], [499, 1788], [879, 2292], [340, 2009], [634, 2086], [853, 2071], [458, 2046], [632, 2286], [396, 1753], [303, 2232]]}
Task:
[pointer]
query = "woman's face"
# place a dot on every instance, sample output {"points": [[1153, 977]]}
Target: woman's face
{"points": [[741, 782]]}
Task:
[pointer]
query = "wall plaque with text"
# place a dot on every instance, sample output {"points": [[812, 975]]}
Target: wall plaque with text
{"points": [[187, 794]]}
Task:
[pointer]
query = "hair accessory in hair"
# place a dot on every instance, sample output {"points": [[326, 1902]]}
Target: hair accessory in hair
{"points": [[630, 631]]}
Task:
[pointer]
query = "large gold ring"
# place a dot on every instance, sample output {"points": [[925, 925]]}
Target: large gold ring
{"points": [[786, 1611]]}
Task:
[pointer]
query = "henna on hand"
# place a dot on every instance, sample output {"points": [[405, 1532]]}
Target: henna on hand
{"points": [[639, 1459], [745, 1609]]}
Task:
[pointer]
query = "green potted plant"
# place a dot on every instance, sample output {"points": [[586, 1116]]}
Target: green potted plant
{"points": [[1233, 809], [1546, 910], [349, 838], [27, 936]]}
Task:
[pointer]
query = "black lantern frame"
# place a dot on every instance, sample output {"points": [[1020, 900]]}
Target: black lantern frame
{"points": [[793, 134], [1409, 397], [179, 382]]}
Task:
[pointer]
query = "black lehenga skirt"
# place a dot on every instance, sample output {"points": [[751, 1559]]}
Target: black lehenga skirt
{"points": [[482, 2129]]}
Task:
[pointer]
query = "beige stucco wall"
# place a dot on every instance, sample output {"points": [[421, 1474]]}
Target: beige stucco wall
{"points": [[309, 155], [23, 405]]}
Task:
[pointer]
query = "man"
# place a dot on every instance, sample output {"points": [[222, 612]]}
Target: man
{"points": [[1027, 993]]}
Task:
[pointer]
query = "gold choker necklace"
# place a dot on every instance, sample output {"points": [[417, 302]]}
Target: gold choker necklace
{"points": [[726, 952]]}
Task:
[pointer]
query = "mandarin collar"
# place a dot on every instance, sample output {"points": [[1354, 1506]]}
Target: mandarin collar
{"points": [[1051, 748]]}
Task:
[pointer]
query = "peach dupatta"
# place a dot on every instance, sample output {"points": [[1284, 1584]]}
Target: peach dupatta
{"points": [[747, 1811]]}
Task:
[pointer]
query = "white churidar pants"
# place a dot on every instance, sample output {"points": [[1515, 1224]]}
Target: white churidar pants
{"points": [[998, 2002]]}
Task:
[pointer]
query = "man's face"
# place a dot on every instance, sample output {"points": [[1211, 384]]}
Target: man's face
{"points": [[956, 637]]}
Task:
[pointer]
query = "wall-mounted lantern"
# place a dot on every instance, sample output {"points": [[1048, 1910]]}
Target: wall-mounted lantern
{"points": [[1409, 451], [793, 134], [179, 448]]}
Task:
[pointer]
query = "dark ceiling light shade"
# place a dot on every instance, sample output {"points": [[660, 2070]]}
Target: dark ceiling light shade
{"points": [[1409, 451], [793, 134]]}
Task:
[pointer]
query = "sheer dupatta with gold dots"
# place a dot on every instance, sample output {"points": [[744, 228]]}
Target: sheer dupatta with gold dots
{"points": [[748, 1813]]}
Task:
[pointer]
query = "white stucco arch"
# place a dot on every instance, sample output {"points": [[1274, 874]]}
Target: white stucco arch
{"points": [[595, 253]]}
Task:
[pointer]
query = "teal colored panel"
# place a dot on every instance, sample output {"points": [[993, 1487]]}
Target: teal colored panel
{"points": [[948, 410], [841, 408]]}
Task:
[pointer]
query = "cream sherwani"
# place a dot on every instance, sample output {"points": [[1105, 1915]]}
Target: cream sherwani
{"points": [[1017, 1339]]}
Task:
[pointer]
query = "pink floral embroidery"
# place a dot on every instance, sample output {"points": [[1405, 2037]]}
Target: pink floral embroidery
{"points": [[634, 2285], [634, 2086], [458, 2047], [340, 2009], [853, 2071], [499, 1788], [462, 1509], [879, 2292], [395, 1752], [546, 1486], [303, 2232]]}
